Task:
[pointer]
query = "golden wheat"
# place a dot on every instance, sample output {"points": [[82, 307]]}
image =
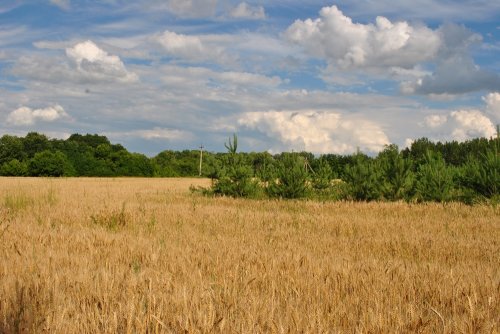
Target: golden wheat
{"points": [[145, 255]]}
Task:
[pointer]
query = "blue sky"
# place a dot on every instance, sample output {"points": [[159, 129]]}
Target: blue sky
{"points": [[320, 76]]}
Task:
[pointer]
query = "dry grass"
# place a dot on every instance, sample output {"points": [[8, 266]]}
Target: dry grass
{"points": [[145, 255]]}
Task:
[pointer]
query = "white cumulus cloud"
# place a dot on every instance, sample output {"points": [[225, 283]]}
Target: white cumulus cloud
{"points": [[95, 63], [316, 131], [470, 124], [246, 11], [460, 125], [434, 121], [348, 45], [28, 116]]}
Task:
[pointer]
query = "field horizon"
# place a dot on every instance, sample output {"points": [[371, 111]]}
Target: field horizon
{"points": [[138, 255]]}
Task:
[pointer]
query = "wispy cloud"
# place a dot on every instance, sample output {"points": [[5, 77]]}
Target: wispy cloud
{"points": [[63, 4], [245, 11]]}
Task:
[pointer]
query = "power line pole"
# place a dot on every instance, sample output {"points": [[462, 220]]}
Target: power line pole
{"points": [[201, 157]]}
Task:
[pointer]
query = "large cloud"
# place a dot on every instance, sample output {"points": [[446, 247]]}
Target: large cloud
{"points": [[459, 125], [96, 63], [317, 131], [27, 116], [353, 50], [349, 45]]}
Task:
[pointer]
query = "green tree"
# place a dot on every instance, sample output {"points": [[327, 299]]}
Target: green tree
{"points": [[398, 180], [483, 175], [321, 179], [34, 143], [418, 150], [131, 164], [14, 168], [11, 147], [291, 178], [435, 179], [235, 177], [90, 140], [48, 163], [363, 179]]}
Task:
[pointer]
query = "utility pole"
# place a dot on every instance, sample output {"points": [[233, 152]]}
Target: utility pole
{"points": [[201, 157]]}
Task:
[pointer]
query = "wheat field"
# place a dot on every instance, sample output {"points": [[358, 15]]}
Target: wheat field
{"points": [[132, 255]]}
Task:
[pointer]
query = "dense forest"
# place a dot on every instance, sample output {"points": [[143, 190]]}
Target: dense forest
{"points": [[426, 171]]}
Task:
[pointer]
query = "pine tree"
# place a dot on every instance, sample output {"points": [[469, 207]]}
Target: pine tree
{"points": [[398, 178], [435, 179]]}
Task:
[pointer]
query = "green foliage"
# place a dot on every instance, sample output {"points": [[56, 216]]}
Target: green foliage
{"points": [[291, 178], [236, 181], [93, 141], [48, 163], [364, 179], [35, 143], [14, 168], [131, 164], [427, 171], [232, 147], [434, 179], [235, 177], [483, 176], [398, 180], [322, 178], [11, 148], [174, 163]]}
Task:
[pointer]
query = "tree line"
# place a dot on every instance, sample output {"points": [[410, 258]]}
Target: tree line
{"points": [[426, 171]]}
